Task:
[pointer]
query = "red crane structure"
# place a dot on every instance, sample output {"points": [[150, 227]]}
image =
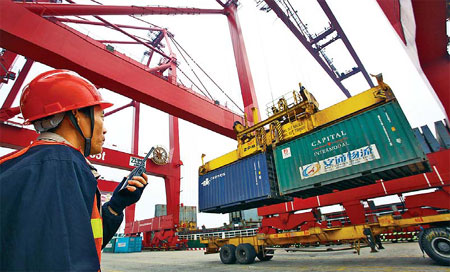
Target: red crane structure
{"points": [[431, 40], [41, 32], [22, 28]]}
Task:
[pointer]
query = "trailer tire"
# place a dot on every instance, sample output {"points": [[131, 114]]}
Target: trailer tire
{"points": [[227, 254], [436, 243], [245, 254], [265, 258]]}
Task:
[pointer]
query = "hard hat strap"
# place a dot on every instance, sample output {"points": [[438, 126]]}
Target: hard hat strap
{"points": [[87, 140]]}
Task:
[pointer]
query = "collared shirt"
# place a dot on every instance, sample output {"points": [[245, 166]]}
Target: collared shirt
{"points": [[54, 137]]}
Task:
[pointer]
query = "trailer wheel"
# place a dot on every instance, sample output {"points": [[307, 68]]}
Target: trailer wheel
{"points": [[263, 258], [227, 254], [436, 243], [245, 254]]}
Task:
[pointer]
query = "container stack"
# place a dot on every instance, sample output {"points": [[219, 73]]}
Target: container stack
{"points": [[357, 149]]}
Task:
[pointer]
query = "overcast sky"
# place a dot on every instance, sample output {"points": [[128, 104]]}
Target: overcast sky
{"points": [[278, 63]]}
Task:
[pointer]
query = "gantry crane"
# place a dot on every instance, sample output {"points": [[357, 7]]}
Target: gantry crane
{"points": [[108, 68]]}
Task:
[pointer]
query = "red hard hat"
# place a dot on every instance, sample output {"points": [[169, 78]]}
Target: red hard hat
{"points": [[58, 91]]}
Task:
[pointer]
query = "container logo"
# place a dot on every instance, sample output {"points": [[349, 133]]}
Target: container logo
{"points": [[328, 140], [286, 152], [311, 170], [341, 161], [330, 143], [208, 180]]}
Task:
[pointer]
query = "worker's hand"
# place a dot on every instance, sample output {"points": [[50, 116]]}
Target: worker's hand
{"points": [[137, 182], [123, 198]]}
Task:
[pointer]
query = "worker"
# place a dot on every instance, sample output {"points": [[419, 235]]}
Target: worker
{"points": [[51, 215]]}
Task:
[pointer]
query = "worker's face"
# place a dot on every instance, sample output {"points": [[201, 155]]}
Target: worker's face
{"points": [[98, 137]]}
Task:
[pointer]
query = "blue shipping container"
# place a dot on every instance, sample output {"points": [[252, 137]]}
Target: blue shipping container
{"points": [[123, 245], [137, 244], [128, 244], [242, 185]]}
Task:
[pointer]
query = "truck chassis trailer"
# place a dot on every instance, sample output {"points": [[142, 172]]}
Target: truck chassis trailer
{"points": [[287, 224]]}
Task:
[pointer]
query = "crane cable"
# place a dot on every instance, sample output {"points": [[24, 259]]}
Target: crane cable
{"points": [[192, 82], [192, 70], [139, 19], [177, 44], [132, 16]]}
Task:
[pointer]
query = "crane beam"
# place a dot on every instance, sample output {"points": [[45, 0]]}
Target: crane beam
{"points": [[286, 20], [59, 46], [17, 138], [344, 39], [75, 9], [86, 22]]}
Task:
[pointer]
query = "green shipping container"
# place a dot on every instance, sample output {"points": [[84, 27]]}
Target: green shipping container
{"points": [[195, 244], [376, 144], [110, 246]]}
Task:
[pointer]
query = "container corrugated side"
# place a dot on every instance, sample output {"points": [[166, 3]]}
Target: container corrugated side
{"points": [[241, 185], [122, 245], [376, 144], [110, 246], [241, 217], [251, 215], [160, 210], [138, 244], [195, 244], [187, 213]]}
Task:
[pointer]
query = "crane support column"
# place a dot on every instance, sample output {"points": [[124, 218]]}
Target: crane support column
{"points": [[242, 65], [172, 181]]}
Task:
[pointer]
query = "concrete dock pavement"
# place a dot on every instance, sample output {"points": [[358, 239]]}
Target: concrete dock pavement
{"points": [[395, 257]]}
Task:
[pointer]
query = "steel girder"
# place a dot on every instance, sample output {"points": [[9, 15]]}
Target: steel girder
{"points": [[75, 9], [17, 138], [56, 45]]}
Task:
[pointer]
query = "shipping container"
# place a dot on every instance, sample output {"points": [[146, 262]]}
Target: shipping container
{"points": [[187, 213], [241, 185], [376, 144], [110, 246], [245, 216], [195, 244], [123, 245], [137, 244], [128, 244], [442, 134]]}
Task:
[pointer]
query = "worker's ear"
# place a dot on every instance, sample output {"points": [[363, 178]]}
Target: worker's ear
{"points": [[80, 118], [77, 115]]}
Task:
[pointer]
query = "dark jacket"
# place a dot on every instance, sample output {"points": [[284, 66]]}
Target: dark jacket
{"points": [[46, 200]]}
